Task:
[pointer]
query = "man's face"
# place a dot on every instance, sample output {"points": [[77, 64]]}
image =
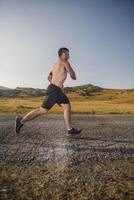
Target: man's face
{"points": [[65, 55]]}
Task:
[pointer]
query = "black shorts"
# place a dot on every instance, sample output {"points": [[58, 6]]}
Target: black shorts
{"points": [[54, 95]]}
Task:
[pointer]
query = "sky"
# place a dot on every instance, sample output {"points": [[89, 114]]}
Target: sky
{"points": [[98, 33]]}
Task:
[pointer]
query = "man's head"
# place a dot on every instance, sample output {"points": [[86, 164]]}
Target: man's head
{"points": [[63, 53]]}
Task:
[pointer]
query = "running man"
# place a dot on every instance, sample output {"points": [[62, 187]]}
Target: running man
{"points": [[54, 94]]}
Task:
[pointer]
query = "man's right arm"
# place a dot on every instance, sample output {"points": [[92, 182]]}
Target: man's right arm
{"points": [[70, 70]]}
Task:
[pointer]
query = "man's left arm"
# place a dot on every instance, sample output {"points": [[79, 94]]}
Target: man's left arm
{"points": [[62, 88]]}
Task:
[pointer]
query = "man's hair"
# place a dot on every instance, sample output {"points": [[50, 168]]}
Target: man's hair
{"points": [[62, 50]]}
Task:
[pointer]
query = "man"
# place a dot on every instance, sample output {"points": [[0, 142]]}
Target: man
{"points": [[54, 93]]}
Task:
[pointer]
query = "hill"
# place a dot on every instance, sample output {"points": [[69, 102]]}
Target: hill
{"points": [[22, 92], [3, 88], [83, 90]]}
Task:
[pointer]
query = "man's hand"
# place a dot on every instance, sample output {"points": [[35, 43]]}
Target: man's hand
{"points": [[70, 70], [50, 77], [62, 88], [73, 77]]}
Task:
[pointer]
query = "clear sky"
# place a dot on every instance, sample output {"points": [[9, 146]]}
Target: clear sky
{"points": [[98, 33]]}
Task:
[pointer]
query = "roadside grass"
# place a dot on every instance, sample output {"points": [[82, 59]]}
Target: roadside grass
{"points": [[108, 180]]}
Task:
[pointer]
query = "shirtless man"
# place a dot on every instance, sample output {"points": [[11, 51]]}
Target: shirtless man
{"points": [[54, 93]]}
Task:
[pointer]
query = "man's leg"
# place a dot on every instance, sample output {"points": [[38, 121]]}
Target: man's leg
{"points": [[67, 114], [19, 121], [67, 117], [33, 114]]}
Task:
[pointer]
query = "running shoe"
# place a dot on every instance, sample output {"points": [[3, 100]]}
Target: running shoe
{"points": [[18, 124], [73, 131]]}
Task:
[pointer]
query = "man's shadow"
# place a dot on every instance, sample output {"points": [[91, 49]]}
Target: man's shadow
{"points": [[102, 140]]}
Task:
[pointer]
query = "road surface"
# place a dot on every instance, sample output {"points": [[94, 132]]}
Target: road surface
{"points": [[103, 137]]}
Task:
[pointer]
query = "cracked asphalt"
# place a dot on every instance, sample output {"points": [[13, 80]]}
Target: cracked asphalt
{"points": [[103, 137]]}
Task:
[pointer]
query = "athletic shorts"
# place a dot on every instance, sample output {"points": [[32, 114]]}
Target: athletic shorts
{"points": [[54, 95]]}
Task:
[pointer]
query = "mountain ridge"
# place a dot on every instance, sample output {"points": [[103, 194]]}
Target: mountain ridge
{"points": [[82, 90]]}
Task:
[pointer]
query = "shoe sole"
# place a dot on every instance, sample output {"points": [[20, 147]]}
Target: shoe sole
{"points": [[73, 134], [15, 133], [15, 123]]}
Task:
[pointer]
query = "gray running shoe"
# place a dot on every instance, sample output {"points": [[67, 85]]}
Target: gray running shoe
{"points": [[18, 124]]}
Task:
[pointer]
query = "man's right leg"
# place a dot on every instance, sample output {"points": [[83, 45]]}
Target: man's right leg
{"points": [[67, 114], [67, 117]]}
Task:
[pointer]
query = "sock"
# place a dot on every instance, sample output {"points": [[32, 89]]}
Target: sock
{"points": [[69, 129], [21, 122]]}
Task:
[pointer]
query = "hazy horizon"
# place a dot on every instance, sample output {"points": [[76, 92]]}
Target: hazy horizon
{"points": [[99, 35]]}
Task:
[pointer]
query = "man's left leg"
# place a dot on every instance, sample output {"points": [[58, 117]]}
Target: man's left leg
{"points": [[33, 114], [47, 103], [19, 121]]}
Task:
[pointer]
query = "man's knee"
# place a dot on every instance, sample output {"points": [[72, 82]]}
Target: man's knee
{"points": [[67, 106], [43, 110]]}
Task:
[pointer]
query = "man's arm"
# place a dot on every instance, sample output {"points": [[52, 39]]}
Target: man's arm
{"points": [[50, 76], [70, 70]]}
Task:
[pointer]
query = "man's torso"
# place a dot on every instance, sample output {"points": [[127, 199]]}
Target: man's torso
{"points": [[59, 73]]}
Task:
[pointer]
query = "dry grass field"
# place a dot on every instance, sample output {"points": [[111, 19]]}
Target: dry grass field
{"points": [[110, 101]]}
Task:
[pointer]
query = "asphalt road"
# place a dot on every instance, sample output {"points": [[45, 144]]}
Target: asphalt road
{"points": [[103, 137]]}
